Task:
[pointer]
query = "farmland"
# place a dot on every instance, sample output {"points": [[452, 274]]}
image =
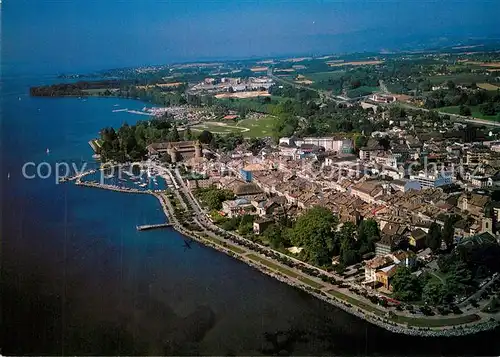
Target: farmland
{"points": [[243, 95], [487, 86], [459, 78], [353, 63]]}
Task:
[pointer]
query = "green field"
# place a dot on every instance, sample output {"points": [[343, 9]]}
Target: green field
{"points": [[362, 91], [249, 128], [459, 78], [252, 104], [326, 80], [324, 76], [475, 112], [219, 127], [258, 128], [435, 322]]}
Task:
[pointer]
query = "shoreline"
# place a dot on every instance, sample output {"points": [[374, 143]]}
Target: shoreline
{"points": [[456, 330]]}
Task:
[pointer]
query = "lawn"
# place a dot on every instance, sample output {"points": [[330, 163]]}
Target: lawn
{"points": [[224, 244], [273, 265], [219, 127], [435, 322], [285, 271], [310, 282], [258, 128], [356, 302], [249, 128], [412, 321], [474, 109]]}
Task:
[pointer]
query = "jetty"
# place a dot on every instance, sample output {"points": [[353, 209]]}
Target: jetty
{"points": [[77, 177], [153, 226]]}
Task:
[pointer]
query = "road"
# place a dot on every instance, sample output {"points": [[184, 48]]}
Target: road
{"points": [[456, 116], [297, 276]]}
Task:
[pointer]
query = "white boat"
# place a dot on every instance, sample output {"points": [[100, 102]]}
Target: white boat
{"points": [[47, 151], [8, 176]]}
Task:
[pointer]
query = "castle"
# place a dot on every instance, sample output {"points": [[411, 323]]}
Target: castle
{"points": [[178, 151]]}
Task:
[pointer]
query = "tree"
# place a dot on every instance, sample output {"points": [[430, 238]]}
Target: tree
{"points": [[385, 143], [433, 239], [464, 111], [173, 135], [450, 84], [313, 230], [348, 254], [273, 234], [459, 279], [448, 231], [188, 135], [406, 286], [214, 197], [368, 233], [487, 108], [433, 292], [246, 224], [205, 137], [360, 141]]}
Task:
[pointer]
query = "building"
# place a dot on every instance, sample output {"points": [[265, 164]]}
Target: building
{"points": [[385, 246], [427, 180], [274, 206], [261, 224], [367, 153], [417, 239], [405, 185], [476, 156], [178, 151], [380, 98], [381, 269], [367, 191], [384, 275], [342, 145], [473, 203], [238, 207]]}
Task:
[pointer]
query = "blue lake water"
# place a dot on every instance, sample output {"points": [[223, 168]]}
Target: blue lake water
{"points": [[78, 278]]}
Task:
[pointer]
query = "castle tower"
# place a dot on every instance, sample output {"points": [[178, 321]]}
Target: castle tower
{"points": [[197, 149], [173, 153]]}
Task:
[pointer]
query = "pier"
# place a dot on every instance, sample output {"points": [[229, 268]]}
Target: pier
{"points": [[76, 177], [153, 226]]}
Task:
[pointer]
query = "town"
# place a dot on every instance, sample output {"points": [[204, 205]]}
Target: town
{"points": [[373, 196]]}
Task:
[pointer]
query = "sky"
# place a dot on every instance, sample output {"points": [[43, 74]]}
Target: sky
{"points": [[67, 35]]}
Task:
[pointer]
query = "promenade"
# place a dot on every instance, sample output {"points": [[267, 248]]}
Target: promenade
{"points": [[298, 273]]}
